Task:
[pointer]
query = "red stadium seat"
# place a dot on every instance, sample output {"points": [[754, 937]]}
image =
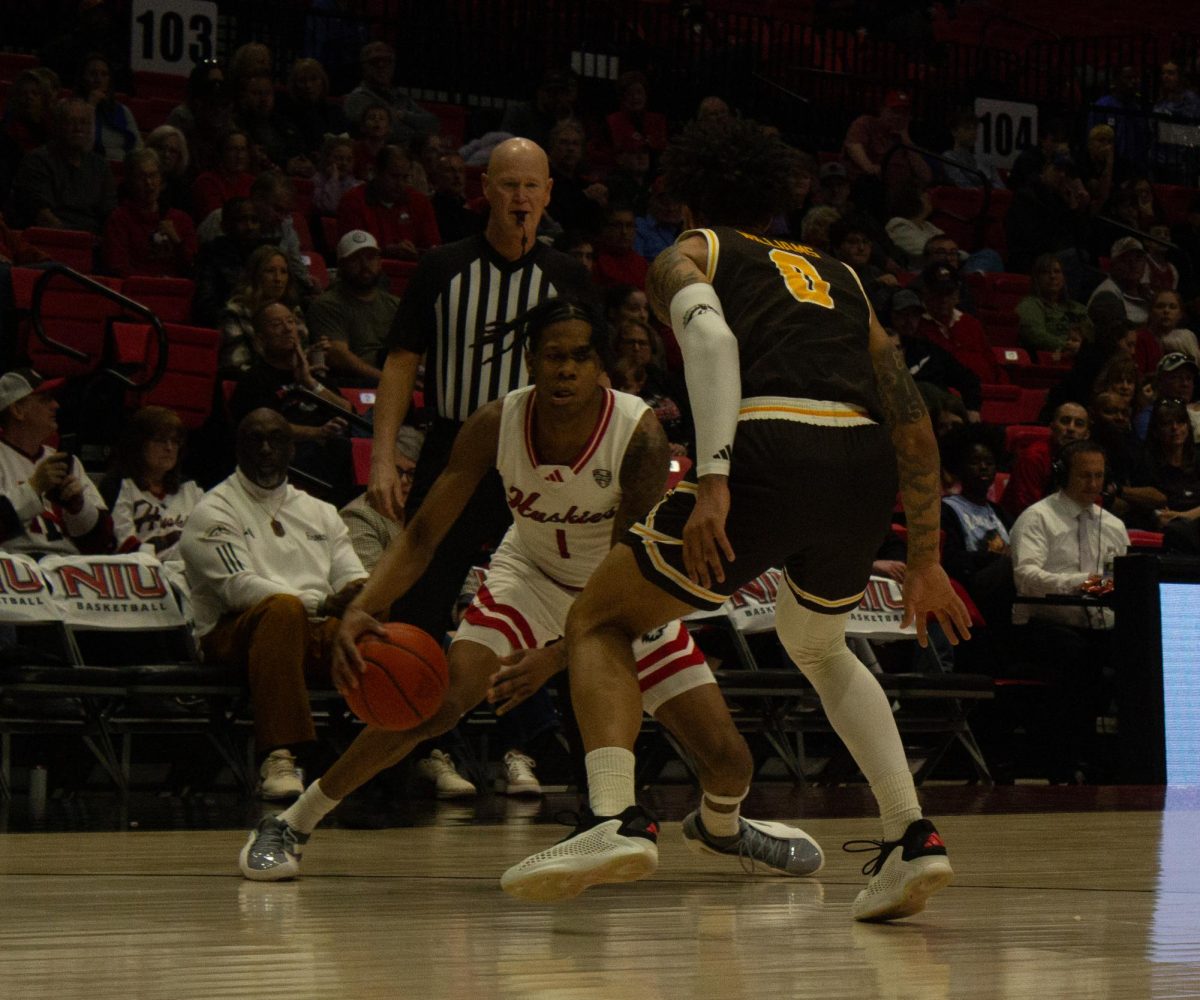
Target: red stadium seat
{"points": [[1011, 404], [72, 315], [1047, 360], [164, 86], [1145, 539], [72, 247], [170, 298], [1012, 356], [361, 399], [1001, 326], [188, 384], [398, 274], [360, 451], [1019, 436], [999, 485], [1174, 200]]}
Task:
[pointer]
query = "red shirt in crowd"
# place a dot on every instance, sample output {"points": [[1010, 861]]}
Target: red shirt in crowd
{"points": [[1147, 352], [623, 131], [625, 268], [410, 219], [212, 189], [133, 243], [964, 338]]}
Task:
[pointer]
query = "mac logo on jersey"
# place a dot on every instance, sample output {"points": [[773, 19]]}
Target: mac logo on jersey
{"points": [[603, 477]]}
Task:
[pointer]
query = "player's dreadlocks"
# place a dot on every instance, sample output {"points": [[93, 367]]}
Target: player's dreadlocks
{"points": [[730, 172], [528, 326]]}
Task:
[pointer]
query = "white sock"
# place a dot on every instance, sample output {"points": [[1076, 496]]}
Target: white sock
{"points": [[856, 707], [306, 812], [610, 780], [716, 822]]}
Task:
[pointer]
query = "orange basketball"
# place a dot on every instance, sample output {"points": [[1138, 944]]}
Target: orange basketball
{"points": [[405, 681]]}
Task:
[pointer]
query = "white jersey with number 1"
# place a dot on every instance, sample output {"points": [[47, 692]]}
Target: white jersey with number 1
{"points": [[563, 514]]}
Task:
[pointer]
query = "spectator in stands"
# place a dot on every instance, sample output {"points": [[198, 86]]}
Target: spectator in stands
{"points": [[221, 262], [1174, 161], [617, 263], [1161, 274], [1112, 429], [909, 228], [94, 29], [946, 411], [1172, 469], [426, 151], [1174, 378], [372, 130], [265, 281], [1119, 375], [378, 63], [804, 195], [850, 241], [117, 133], [1121, 108], [631, 122], [1166, 314], [1079, 384], [151, 501], [1182, 342], [274, 141], [964, 129], [867, 143], [25, 125], [172, 149], [660, 226], [140, 236], [307, 106], [579, 199], [400, 219], [1046, 216], [1058, 545], [455, 220], [371, 532], [637, 345], [1097, 166], [204, 117], [1031, 478], [64, 185], [712, 108], [248, 60], [947, 326], [270, 568], [976, 548], [48, 504], [629, 181], [579, 245], [1047, 313], [834, 188], [1123, 295], [928, 363], [355, 315], [283, 366], [231, 178], [816, 226], [553, 102], [335, 175]]}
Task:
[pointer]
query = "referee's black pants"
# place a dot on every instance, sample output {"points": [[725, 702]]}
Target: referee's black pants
{"points": [[430, 601]]}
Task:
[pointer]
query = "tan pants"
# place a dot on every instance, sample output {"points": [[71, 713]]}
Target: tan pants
{"points": [[281, 649]]}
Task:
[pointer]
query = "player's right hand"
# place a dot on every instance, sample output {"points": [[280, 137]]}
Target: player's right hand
{"points": [[704, 538], [50, 472], [384, 491], [347, 663]]}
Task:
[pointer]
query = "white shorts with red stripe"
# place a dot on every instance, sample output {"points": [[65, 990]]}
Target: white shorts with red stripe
{"points": [[519, 607]]}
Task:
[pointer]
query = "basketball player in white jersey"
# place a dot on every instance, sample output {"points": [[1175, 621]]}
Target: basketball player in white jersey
{"points": [[580, 463]]}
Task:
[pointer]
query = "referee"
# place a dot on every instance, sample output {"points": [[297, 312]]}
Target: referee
{"points": [[456, 290]]}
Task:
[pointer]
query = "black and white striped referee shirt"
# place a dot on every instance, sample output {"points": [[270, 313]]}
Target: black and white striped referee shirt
{"points": [[458, 289]]}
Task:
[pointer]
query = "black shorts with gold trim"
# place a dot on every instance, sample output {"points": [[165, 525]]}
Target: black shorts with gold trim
{"points": [[813, 498]]}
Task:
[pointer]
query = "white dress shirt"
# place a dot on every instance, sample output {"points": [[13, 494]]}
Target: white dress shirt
{"points": [[1056, 545]]}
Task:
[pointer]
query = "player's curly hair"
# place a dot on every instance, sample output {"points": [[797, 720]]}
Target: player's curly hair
{"points": [[529, 325], [730, 172]]}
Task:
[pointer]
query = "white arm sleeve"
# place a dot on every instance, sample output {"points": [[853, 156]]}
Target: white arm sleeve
{"points": [[714, 379]]}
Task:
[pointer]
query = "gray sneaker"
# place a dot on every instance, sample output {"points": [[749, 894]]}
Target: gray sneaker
{"points": [[272, 854], [782, 849]]}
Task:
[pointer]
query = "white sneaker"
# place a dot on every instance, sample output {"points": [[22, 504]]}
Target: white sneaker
{"points": [[438, 769], [904, 874], [278, 777], [519, 778]]}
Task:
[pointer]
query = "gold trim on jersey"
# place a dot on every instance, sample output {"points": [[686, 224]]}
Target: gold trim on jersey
{"points": [[822, 412], [845, 602], [652, 538], [714, 249]]}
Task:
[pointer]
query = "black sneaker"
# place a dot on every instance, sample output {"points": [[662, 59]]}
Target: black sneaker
{"points": [[901, 880], [601, 849]]}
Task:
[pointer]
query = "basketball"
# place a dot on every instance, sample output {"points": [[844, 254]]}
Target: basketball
{"points": [[405, 681]]}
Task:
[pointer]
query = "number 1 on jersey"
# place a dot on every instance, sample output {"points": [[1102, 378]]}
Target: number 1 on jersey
{"points": [[561, 537], [802, 279]]}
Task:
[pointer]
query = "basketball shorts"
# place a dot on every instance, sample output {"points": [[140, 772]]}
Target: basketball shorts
{"points": [[519, 607], [813, 500]]}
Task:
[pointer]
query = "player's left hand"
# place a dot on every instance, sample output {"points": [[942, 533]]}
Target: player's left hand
{"points": [[704, 539], [927, 590], [522, 673]]}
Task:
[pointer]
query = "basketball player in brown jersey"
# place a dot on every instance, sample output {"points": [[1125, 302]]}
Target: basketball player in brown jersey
{"points": [[807, 420], [579, 464]]}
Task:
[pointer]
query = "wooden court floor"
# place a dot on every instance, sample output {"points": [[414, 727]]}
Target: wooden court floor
{"points": [[1045, 904]]}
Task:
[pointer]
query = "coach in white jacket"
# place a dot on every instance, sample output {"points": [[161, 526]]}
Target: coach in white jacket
{"points": [[270, 569]]}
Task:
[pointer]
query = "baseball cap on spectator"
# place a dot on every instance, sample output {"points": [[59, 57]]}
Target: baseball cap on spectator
{"points": [[22, 382], [906, 299], [354, 241], [940, 278], [1175, 360], [898, 99], [1125, 245], [833, 171]]}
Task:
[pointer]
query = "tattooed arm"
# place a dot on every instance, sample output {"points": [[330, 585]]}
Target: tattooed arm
{"points": [[643, 475], [926, 587], [678, 266]]}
